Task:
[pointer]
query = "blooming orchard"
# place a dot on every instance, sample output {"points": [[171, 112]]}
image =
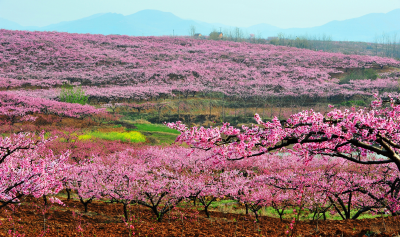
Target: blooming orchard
{"points": [[144, 68], [160, 178], [345, 162]]}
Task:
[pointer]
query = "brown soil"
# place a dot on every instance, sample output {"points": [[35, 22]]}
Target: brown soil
{"points": [[105, 219]]}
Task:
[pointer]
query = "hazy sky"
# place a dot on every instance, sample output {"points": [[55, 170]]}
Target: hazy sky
{"points": [[242, 13]]}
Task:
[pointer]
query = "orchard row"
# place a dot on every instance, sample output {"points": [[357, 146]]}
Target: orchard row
{"points": [[284, 89], [161, 178]]}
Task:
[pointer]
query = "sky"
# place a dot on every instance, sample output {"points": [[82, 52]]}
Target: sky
{"points": [[241, 13]]}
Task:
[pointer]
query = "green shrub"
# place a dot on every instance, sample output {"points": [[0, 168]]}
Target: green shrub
{"points": [[354, 103], [214, 35], [359, 75], [73, 95]]}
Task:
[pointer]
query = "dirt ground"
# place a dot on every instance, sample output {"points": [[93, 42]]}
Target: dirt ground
{"points": [[105, 219]]}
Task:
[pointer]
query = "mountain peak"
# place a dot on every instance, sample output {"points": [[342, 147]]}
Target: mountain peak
{"points": [[152, 15]]}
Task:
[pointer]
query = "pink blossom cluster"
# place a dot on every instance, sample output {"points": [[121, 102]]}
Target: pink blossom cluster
{"points": [[13, 105], [27, 167]]}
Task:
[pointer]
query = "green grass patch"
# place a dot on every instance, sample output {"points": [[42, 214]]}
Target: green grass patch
{"points": [[354, 103], [155, 128], [307, 215], [156, 133], [164, 137], [216, 204]]}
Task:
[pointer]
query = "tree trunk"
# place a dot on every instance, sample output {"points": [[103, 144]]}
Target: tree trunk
{"points": [[125, 211], [45, 200], [159, 215], [206, 211], [256, 214], [85, 204], [68, 190]]}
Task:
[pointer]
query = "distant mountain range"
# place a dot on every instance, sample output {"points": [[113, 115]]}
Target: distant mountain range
{"points": [[158, 23], [9, 25]]}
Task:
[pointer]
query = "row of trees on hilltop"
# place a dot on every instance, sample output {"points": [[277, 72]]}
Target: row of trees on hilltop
{"points": [[385, 45], [235, 34]]}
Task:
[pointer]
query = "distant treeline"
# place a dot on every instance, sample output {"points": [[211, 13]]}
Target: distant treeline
{"points": [[323, 42], [385, 45]]}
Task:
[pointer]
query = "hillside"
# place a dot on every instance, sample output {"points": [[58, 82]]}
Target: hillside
{"points": [[141, 68]]}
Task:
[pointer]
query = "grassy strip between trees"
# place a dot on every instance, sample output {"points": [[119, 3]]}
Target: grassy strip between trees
{"points": [[156, 133]]}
